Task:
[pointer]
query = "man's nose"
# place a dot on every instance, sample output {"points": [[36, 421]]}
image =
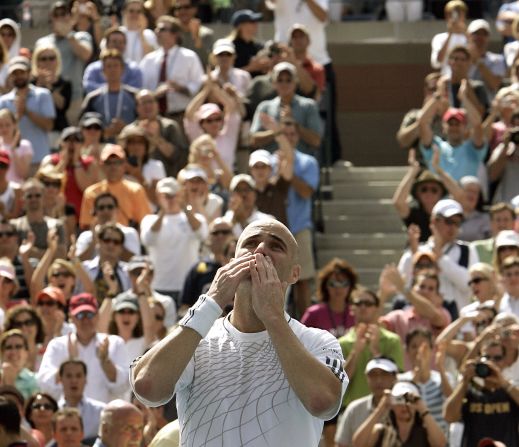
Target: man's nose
{"points": [[261, 248]]}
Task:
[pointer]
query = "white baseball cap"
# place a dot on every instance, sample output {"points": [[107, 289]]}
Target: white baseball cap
{"points": [[447, 208], [383, 364]]}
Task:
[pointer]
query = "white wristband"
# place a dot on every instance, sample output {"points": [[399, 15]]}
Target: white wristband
{"points": [[202, 315]]}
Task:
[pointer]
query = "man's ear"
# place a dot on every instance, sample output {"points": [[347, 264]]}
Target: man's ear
{"points": [[294, 275]]}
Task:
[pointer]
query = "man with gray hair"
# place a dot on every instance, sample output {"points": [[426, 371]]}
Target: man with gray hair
{"points": [[122, 424]]}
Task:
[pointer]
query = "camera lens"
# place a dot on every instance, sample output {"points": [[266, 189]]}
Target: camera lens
{"points": [[482, 370]]}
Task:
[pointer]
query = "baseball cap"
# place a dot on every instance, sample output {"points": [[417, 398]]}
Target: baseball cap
{"points": [[298, 27], [112, 150], [208, 109], [402, 388], [260, 156], [7, 270], [58, 5], [168, 185], [91, 119], [245, 15], [71, 131], [447, 208], [281, 67], [237, 179], [194, 172], [477, 25], [138, 262], [383, 364], [125, 302], [515, 202], [469, 180], [54, 293], [507, 238], [84, 302], [5, 157], [19, 63], [456, 114], [224, 46]]}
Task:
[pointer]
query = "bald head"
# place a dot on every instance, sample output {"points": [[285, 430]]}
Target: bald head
{"points": [[121, 425]]}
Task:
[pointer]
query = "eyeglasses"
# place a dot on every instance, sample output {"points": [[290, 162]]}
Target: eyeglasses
{"points": [[93, 127], [365, 303], [335, 284], [63, 273], [48, 303], [127, 312], [85, 314], [477, 280], [221, 232], [109, 240], [213, 120], [431, 189], [48, 184], [36, 195], [26, 323], [108, 207], [42, 407], [17, 347], [46, 58], [159, 317], [7, 233]]}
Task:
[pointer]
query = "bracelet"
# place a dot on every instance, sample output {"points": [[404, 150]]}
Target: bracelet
{"points": [[425, 413], [202, 315]]}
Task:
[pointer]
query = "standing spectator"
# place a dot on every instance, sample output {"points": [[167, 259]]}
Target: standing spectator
{"points": [[176, 227], [131, 197], [224, 55], [75, 49], [287, 104], [114, 101], [173, 72], [32, 106], [194, 35], [39, 411], [166, 136], [72, 375], [91, 125], [104, 354], [476, 221], [510, 278], [121, 425], [19, 149], [11, 36], [140, 40], [503, 167], [93, 78]]}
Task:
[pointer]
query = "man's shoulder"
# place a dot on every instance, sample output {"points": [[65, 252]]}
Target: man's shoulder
{"points": [[96, 188], [131, 186], [361, 404], [304, 101], [388, 335], [97, 404], [187, 53]]}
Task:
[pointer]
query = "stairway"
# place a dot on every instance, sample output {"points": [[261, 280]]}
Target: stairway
{"points": [[359, 220]]}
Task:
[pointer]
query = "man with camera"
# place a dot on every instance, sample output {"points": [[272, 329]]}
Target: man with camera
{"points": [[503, 166], [484, 400]]}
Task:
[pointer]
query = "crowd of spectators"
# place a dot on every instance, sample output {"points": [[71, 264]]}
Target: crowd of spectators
{"points": [[135, 147]]}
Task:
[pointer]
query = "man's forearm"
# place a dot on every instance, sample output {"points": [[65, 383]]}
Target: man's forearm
{"points": [[262, 138], [41, 121], [452, 408]]}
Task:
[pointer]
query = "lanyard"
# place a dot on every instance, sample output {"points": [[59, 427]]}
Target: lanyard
{"points": [[118, 107], [338, 330]]}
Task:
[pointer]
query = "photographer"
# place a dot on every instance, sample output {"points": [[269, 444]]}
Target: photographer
{"points": [[503, 166], [484, 400], [401, 418]]}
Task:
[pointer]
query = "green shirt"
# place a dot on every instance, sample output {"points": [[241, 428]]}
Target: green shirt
{"points": [[389, 345], [485, 249], [26, 383]]}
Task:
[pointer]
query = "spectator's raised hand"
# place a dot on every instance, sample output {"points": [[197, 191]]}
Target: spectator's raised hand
{"points": [[27, 244], [413, 237], [411, 159], [52, 240]]}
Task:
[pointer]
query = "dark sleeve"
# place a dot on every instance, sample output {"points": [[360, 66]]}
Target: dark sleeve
{"points": [[189, 291], [66, 92], [282, 185]]}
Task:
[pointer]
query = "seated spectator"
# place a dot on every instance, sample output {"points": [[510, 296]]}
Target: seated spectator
{"points": [[10, 193], [287, 103], [140, 167], [121, 423], [33, 104], [114, 101], [208, 118], [381, 376], [51, 306], [46, 73], [476, 222], [453, 256], [223, 57], [365, 341], [400, 415], [26, 319], [505, 18], [93, 77], [19, 149], [502, 217], [166, 135], [91, 125], [459, 156], [503, 167], [195, 190], [131, 197], [337, 281], [467, 402], [506, 245], [37, 222], [14, 353], [140, 40], [11, 36], [177, 227], [104, 354], [10, 423], [443, 43], [67, 426], [39, 411], [154, 420], [105, 211], [72, 375], [509, 273], [193, 34], [242, 203], [502, 116]]}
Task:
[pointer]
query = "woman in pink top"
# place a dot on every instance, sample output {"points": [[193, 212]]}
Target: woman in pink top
{"points": [[337, 280]]}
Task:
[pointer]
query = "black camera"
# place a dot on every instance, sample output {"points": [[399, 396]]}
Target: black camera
{"points": [[514, 135], [482, 370]]}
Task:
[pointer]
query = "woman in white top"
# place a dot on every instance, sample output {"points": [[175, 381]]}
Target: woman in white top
{"points": [[139, 39], [223, 57]]}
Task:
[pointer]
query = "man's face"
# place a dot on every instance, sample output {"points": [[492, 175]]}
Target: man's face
{"points": [[291, 133], [511, 280], [20, 78], [8, 239], [33, 199], [73, 380], [219, 233], [147, 107], [285, 84], [68, 432], [365, 308], [116, 41], [110, 244], [125, 429], [502, 220], [184, 11], [459, 62], [480, 39], [114, 168], [169, 202], [379, 381], [299, 41], [165, 36], [105, 210], [247, 194], [113, 69], [59, 16], [448, 227], [455, 131], [86, 323]]}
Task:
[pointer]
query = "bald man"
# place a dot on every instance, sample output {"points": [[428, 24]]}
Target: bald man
{"points": [[121, 425], [256, 377]]}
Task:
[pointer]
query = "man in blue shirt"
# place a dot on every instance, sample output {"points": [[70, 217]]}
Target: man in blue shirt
{"points": [[32, 106], [94, 78]]}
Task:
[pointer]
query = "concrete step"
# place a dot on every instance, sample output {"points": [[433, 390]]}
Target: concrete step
{"points": [[369, 190], [344, 173], [362, 224], [373, 207], [373, 241], [362, 259]]}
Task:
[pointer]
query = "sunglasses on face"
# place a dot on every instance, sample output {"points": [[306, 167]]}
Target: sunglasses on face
{"points": [[221, 232], [431, 189], [17, 347], [48, 303], [46, 58], [336, 284], [159, 317], [7, 233], [109, 240], [42, 407], [36, 195], [48, 184], [64, 274], [213, 120], [364, 303], [477, 280], [94, 127], [126, 312], [105, 207], [85, 315], [24, 323]]}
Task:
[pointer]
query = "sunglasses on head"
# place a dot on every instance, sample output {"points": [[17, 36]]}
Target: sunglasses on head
{"points": [[477, 280], [364, 303], [85, 315], [62, 273], [334, 283]]}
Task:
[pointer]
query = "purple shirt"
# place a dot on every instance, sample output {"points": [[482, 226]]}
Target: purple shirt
{"points": [[322, 317]]}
